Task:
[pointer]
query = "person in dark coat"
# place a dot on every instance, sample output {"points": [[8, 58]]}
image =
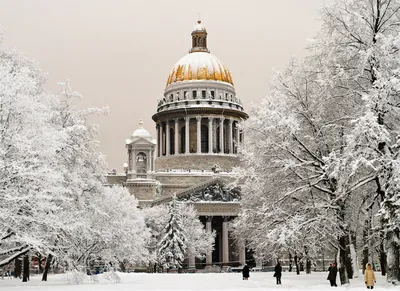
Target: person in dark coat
{"points": [[278, 273], [246, 272], [332, 274]]}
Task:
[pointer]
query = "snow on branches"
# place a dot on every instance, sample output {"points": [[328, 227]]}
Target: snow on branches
{"points": [[321, 153]]}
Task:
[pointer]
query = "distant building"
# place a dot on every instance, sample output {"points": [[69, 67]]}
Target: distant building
{"points": [[195, 148]]}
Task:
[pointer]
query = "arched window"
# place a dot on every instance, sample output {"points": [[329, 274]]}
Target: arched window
{"points": [[141, 163], [204, 139], [183, 139], [200, 41]]}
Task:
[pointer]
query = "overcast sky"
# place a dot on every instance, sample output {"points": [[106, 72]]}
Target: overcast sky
{"points": [[119, 52]]}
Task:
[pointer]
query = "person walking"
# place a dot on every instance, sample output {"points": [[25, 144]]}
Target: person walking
{"points": [[369, 277], [332, 274], [246, 272], [278, 273]]}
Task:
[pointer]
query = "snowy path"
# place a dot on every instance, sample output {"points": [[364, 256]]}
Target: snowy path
{"points": [[214, 282]]}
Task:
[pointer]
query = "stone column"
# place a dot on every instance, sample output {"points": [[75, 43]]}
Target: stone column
{"points": [[237, 136], [221, 134], [158, 140], [148, 156], [162, 140], [129, 159], [176, 136], [210, 135], [230, 137], [133, 153], [167, 141], [187, 140], [209, 251], [151, 161], [198, 119], [242, 252], [225, 241]]}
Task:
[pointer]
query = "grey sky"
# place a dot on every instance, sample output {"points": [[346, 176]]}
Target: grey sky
{"points": [[119, 52]]}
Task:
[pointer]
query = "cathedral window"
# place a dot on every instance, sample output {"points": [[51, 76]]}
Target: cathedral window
{"points": [[212, 94], [194, 94], [183, 140], [204, 139], [203, 94]]}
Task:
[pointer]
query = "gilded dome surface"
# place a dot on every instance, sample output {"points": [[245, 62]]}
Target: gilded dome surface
{"points": [[199, 66]]}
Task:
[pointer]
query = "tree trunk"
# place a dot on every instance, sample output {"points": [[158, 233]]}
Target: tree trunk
{"points": [[25, 274], [382, 254], [47, 267], [365, 251], [393, 271], [348, 262], [17, 268], [296, 262], [343, 245], [290, 263], [344, 279]]}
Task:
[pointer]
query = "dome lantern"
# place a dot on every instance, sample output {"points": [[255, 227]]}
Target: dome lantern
{"points": [[199, 38], [141, 132]]}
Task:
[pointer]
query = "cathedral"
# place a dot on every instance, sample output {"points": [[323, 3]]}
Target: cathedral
{"points": [[195, 149]]}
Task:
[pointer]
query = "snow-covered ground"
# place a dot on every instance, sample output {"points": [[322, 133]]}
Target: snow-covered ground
{"points": [[215, 282]]}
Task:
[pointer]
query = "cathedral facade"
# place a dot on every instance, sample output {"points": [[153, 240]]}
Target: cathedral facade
{"points": [[195, 148]]}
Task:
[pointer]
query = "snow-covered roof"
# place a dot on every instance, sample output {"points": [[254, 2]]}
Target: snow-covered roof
{"points": [[199, 66], [141, 132]]}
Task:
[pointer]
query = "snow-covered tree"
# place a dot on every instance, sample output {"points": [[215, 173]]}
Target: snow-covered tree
{"points": [[112, 230], [29, 180], [173, 246], [156, 218], [327, 135], [198, 241], [52, 199]]}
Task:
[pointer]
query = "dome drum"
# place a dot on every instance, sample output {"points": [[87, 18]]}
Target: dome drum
{"points": [[200, 94]]}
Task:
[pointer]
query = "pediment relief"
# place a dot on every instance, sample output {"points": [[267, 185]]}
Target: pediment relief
{"points": [[214, 192]]}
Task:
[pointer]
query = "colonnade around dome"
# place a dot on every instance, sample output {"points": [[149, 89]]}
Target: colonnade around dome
{"points": [[198, 135]]}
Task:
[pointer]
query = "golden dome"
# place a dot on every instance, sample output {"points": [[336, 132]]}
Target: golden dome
{"points": [[199, 66]]}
